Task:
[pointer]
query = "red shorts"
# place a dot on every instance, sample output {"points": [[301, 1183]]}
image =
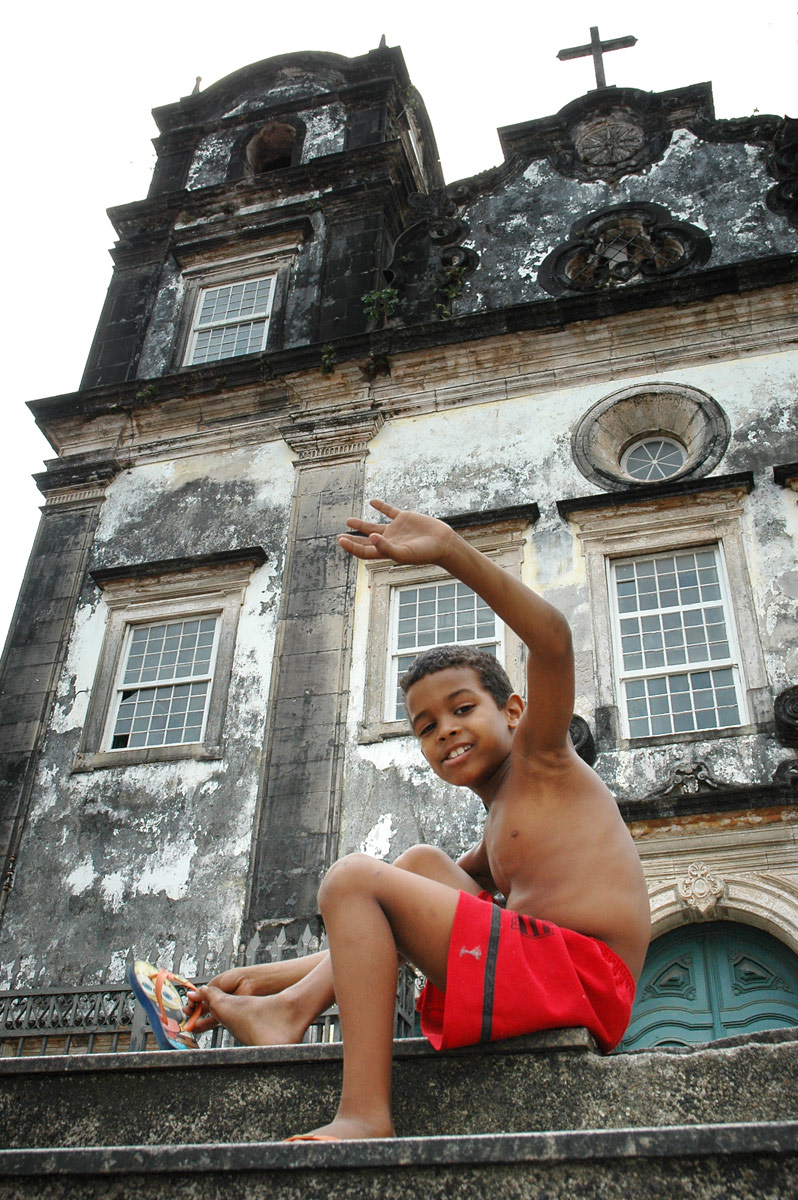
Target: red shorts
{"points": [[508, 974]]}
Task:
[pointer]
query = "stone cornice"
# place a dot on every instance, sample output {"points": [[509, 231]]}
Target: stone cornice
{"points": [[242, 399], [656, 491], [725, 799], [332, 435], [786, 475], [248, 556]]}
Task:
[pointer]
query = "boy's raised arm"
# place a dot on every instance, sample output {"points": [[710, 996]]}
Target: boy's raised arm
{"points": [[414, 538]]}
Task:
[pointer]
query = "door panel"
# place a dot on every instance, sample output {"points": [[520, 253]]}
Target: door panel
{"points": [[702, 982]]}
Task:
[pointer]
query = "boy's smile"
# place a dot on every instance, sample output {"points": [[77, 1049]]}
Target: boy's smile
{"points": [[463, 733]]}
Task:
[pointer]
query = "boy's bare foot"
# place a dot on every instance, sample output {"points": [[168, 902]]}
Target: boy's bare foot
{"points": [[253, 1020], [259, 980], [347, 1129]]}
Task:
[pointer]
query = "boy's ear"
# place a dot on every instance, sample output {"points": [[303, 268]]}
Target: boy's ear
{"points": [[513, 709]]}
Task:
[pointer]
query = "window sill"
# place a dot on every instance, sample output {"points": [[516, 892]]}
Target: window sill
{"points": [[149, 754], [381, 731], [699, 735]]}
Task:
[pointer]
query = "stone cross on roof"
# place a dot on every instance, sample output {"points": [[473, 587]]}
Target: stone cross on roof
{"points": [[597, 48]]}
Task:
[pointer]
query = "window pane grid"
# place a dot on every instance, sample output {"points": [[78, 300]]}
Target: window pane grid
{"points": [[671, 614], [682, 703], [232, 320], [436, 614], [165, 683]]}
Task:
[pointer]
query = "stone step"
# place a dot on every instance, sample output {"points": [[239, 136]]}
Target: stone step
{"points": [[711, 1162], [551, 1081]]}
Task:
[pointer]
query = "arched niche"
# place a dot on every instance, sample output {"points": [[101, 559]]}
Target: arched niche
{"points": [[275, 145]]}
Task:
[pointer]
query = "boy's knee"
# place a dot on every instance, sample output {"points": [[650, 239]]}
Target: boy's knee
{"points": [[346, 874], [423, 860]]}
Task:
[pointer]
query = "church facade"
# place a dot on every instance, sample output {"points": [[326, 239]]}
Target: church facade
{"points": [[584, 358]]}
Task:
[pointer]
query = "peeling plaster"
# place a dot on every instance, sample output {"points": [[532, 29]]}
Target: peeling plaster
{"points": [[378, 840], [82, 877], [169, 874]]}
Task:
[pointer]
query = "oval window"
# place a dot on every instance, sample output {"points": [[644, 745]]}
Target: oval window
{"points": [[653, 458]]}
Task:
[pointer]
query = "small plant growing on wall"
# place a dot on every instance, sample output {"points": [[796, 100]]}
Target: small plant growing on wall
{"points": [[380, 306], [328, 359], [376, 364], [451, 286]]}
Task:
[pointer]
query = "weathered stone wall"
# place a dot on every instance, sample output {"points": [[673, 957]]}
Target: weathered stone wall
{"points": [[152, 859], [506, 451], [513, 228]]}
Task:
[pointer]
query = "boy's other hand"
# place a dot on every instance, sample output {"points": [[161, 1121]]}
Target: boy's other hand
{"points": [[409, 537]]}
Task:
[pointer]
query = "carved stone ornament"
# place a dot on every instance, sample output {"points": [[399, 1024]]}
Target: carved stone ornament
{"points": [[786, 774], [333, 436], [700, 888], [628, 243], [611, 134], [689, 779], [783, 166], [608, 141], [429, 261], [785, 712], [583, 741]]}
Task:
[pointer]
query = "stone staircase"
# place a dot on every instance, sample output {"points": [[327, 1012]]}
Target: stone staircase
{"points": [[542, 1116]]}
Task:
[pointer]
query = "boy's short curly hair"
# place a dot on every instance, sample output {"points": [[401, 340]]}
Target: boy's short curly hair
{"points": [[492, 674]]}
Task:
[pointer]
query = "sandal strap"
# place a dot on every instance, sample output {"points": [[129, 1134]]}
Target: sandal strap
{"points": [[172, 1026]]}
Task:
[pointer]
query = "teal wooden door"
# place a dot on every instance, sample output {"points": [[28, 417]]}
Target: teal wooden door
{"points": [[702, 982]]}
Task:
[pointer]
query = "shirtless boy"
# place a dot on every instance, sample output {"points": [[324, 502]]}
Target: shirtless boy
{"points": [[571, 939]]}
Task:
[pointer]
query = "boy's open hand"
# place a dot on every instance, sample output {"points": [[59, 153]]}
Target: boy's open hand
{"points": [[409, 537]]}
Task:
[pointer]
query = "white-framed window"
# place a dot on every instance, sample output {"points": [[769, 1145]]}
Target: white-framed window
{"points": [[414, 608], [230, 297], [163, 687], [674, 643], [670, 620], [231, 319], [437, 613], [165, 667]]}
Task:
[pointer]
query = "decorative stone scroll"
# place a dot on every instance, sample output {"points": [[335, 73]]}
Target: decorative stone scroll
{"points": [[786, 774], [688, 779], [700, 888], [783, 167], [628, 243], [429, 261], [583, 741], [785, 712]]}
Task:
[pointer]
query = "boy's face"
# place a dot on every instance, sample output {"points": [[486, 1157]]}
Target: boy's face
{"points": [[463, 733]]}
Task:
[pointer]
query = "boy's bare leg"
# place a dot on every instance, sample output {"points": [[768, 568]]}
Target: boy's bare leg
{"points": [[245, 1000], [277, 1020], [372, 911], [265, 979]]}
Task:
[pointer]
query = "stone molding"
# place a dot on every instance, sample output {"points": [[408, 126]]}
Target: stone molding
{"points": [[332, 436], [762, 900], [692, 417], [240, 401]]}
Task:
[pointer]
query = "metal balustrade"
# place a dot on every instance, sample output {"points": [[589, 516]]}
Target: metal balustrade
{"points": [[105, 1018]]}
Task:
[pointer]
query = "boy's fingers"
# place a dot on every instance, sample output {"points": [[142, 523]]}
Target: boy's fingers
{"points": [[365, 526], [204, 1024], [388, 509], [360, 547]]}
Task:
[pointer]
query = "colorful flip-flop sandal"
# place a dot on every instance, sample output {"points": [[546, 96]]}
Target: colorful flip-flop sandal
{"points": [[154, 988]]}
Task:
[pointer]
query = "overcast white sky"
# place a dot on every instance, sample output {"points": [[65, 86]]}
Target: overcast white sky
{"points": [[79, 81]]}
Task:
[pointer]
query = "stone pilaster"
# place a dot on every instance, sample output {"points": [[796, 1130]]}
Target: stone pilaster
{"points": [[296, 834]]}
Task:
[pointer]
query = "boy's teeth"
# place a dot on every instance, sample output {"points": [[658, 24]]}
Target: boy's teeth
{"points": [[460, 750]]}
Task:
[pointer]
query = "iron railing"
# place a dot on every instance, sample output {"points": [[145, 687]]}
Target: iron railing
{"points": [[106, 1019]]}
